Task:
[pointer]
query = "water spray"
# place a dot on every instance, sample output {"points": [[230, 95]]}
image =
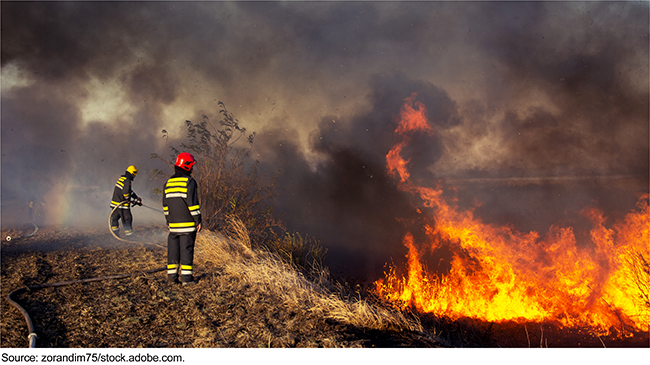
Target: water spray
{"points": [[148, 207]]}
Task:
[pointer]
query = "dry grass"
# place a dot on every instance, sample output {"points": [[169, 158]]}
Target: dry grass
{"points": [[266, 272]]}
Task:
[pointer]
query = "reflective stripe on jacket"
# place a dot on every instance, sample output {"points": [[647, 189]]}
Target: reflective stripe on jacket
{"points": [[123, 192], [181, 204]]}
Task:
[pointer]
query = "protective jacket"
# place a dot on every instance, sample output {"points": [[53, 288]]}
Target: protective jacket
{"points": [[123, 192], [181, 203]]}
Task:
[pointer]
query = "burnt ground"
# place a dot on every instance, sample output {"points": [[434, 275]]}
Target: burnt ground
{"points": [[220, 311]]}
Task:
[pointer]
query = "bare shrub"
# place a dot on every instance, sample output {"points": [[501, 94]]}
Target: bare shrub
{"points": [[229, 181]]}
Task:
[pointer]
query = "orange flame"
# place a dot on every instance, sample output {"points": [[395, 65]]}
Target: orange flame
{"points": [[411, 120], [499, 274]]}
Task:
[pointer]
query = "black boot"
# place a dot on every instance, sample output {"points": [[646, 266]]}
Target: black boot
{"points": [[188, 280]]}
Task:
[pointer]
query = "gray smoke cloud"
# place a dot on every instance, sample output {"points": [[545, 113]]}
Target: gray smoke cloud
{"points": [[538, 108]]}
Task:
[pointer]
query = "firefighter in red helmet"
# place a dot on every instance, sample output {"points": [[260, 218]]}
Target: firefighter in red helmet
{"points": [[183, 214], [123, 198]]}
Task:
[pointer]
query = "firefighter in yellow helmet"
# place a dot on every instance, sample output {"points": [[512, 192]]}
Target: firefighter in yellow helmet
{"points": [[183, 214], [123, 198]]}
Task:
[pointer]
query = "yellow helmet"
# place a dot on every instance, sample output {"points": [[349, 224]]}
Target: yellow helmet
{"points": [[132, 169]]}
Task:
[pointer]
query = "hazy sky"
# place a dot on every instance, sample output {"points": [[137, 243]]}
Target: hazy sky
{"points": [[527, 100]]}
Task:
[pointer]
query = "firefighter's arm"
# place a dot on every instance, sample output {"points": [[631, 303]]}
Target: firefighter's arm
{"points": [[134, 197], [193, 203], [165, 207], [127, 193]]}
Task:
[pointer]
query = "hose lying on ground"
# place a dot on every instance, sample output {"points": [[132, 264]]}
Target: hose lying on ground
{"points": [[30, 326], [28, 235]]}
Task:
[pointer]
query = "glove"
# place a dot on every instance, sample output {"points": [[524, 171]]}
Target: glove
{"points": [[138, 201]]}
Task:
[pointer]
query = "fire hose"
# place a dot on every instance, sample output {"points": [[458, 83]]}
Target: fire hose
{"points": [[122, 239], [28, 235], [30, 326]]}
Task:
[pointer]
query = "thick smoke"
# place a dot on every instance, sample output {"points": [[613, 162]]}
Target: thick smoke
{"points": [[64, 142], [538, 109], [346, 199]]}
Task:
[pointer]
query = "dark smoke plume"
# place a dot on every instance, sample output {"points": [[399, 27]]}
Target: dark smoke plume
{"points": [[538, 109]]}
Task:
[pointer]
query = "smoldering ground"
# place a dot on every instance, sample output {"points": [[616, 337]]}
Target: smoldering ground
{"points": [[537, 109]]}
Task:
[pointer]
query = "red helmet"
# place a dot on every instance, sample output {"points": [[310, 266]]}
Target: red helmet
{"points": [[185, 161]]}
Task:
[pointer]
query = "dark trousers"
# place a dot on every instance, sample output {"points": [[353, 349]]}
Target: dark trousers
{"points": [[127, 220], [180, 255]]}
